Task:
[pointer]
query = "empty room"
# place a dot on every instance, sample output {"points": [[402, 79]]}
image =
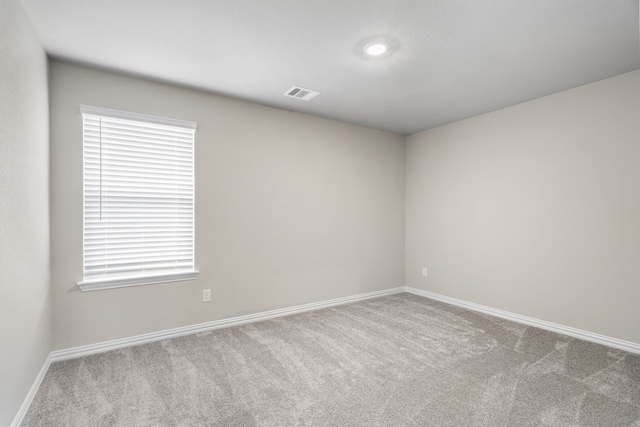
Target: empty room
{"points": [[319, 213]]}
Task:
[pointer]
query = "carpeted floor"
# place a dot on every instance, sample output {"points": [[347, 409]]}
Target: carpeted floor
{"points": [[400, 360]]}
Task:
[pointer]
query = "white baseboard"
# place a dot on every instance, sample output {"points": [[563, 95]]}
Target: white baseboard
{"points": [[542, 324], [17, 420], [85, 350]]}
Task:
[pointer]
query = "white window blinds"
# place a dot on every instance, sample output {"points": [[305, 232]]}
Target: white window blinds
{"points": [[138, 199]]}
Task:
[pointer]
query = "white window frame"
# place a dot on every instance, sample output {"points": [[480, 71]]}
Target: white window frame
{"points": [[103, 279]]}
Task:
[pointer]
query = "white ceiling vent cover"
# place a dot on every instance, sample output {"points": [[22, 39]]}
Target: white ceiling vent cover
{"points": [[301, 93]]}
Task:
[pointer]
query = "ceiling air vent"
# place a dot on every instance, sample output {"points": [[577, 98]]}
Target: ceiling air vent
{"points": [[301, 93]]}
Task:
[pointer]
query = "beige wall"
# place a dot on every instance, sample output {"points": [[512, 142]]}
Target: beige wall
{"points": [[534, 209], [25, 304], [290, 209]]}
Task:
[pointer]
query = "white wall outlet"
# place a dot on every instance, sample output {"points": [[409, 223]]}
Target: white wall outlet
{"points": [[424, 271], [206, 295]]}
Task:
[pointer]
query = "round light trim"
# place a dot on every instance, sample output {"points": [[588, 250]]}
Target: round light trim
{"points": [[376, 49]]}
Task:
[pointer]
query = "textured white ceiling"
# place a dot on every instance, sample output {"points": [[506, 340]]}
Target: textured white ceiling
{"points": [[448, 59]]}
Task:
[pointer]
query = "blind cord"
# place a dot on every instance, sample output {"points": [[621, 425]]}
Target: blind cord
{"points": [[100, 168]]}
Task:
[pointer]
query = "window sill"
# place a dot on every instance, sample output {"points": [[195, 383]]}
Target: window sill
{"points": [[137, 280]]}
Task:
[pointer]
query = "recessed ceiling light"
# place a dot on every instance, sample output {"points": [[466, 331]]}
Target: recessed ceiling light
{"points": [[376, 49]]}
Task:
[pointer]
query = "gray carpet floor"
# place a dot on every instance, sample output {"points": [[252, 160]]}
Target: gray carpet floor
{"points": [[400, 360]]}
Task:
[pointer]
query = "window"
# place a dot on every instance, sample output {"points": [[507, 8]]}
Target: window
{"points": [[138, 199]]}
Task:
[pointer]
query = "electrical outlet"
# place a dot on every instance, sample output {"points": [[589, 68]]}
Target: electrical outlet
{"points": [[206, 295], [424, 271]]}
